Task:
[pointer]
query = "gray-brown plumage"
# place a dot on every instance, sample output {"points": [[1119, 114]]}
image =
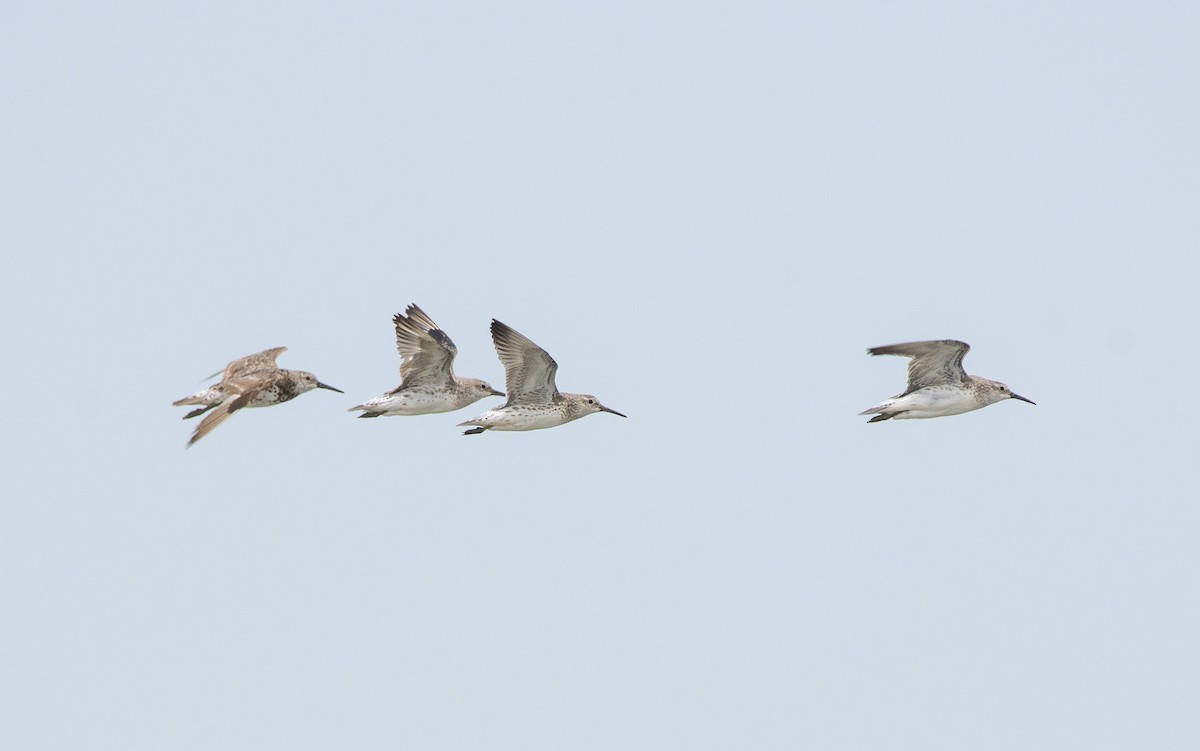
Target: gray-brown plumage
{"points": [[534, 401], [937, 384], [251, 381], [243, 366], [427, 381], [933, 363]]}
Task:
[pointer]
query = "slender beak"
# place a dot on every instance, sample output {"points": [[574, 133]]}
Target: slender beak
{"points": [[327, 386], [1018, 396], [610, 411], [497, 393]]}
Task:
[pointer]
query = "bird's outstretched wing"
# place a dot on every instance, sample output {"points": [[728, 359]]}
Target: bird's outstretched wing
{"points": [[426, 353], [934, 363], [242, 391], [255, 363], [528, 369]]}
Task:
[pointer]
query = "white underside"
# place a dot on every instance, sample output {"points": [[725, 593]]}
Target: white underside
{"points": [[929, 402], [209, 397], [410, 403], [509, 418], [215, 396]]}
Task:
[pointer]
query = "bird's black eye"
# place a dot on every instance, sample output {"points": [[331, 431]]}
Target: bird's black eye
{"points": [[591, 401]]}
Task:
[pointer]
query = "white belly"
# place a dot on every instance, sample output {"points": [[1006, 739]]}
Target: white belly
{"points": [[412, 403], [519, 418], [934, 401]]}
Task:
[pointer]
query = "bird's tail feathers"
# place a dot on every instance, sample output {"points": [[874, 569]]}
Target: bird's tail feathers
{"points": [[882, 411]]}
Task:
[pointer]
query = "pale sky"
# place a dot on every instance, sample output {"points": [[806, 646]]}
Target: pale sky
{"points": [[706, 213]]}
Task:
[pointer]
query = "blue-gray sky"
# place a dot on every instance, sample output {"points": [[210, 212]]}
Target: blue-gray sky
{"points": [[705, 213]]}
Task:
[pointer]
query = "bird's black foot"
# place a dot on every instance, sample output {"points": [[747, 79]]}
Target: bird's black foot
{"points": [[474, 431], [198, 412]]}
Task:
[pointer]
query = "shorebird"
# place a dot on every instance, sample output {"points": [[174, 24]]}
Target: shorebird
{"points": [[534, 402], [937, 384], [427, 381], [251, 381]]}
